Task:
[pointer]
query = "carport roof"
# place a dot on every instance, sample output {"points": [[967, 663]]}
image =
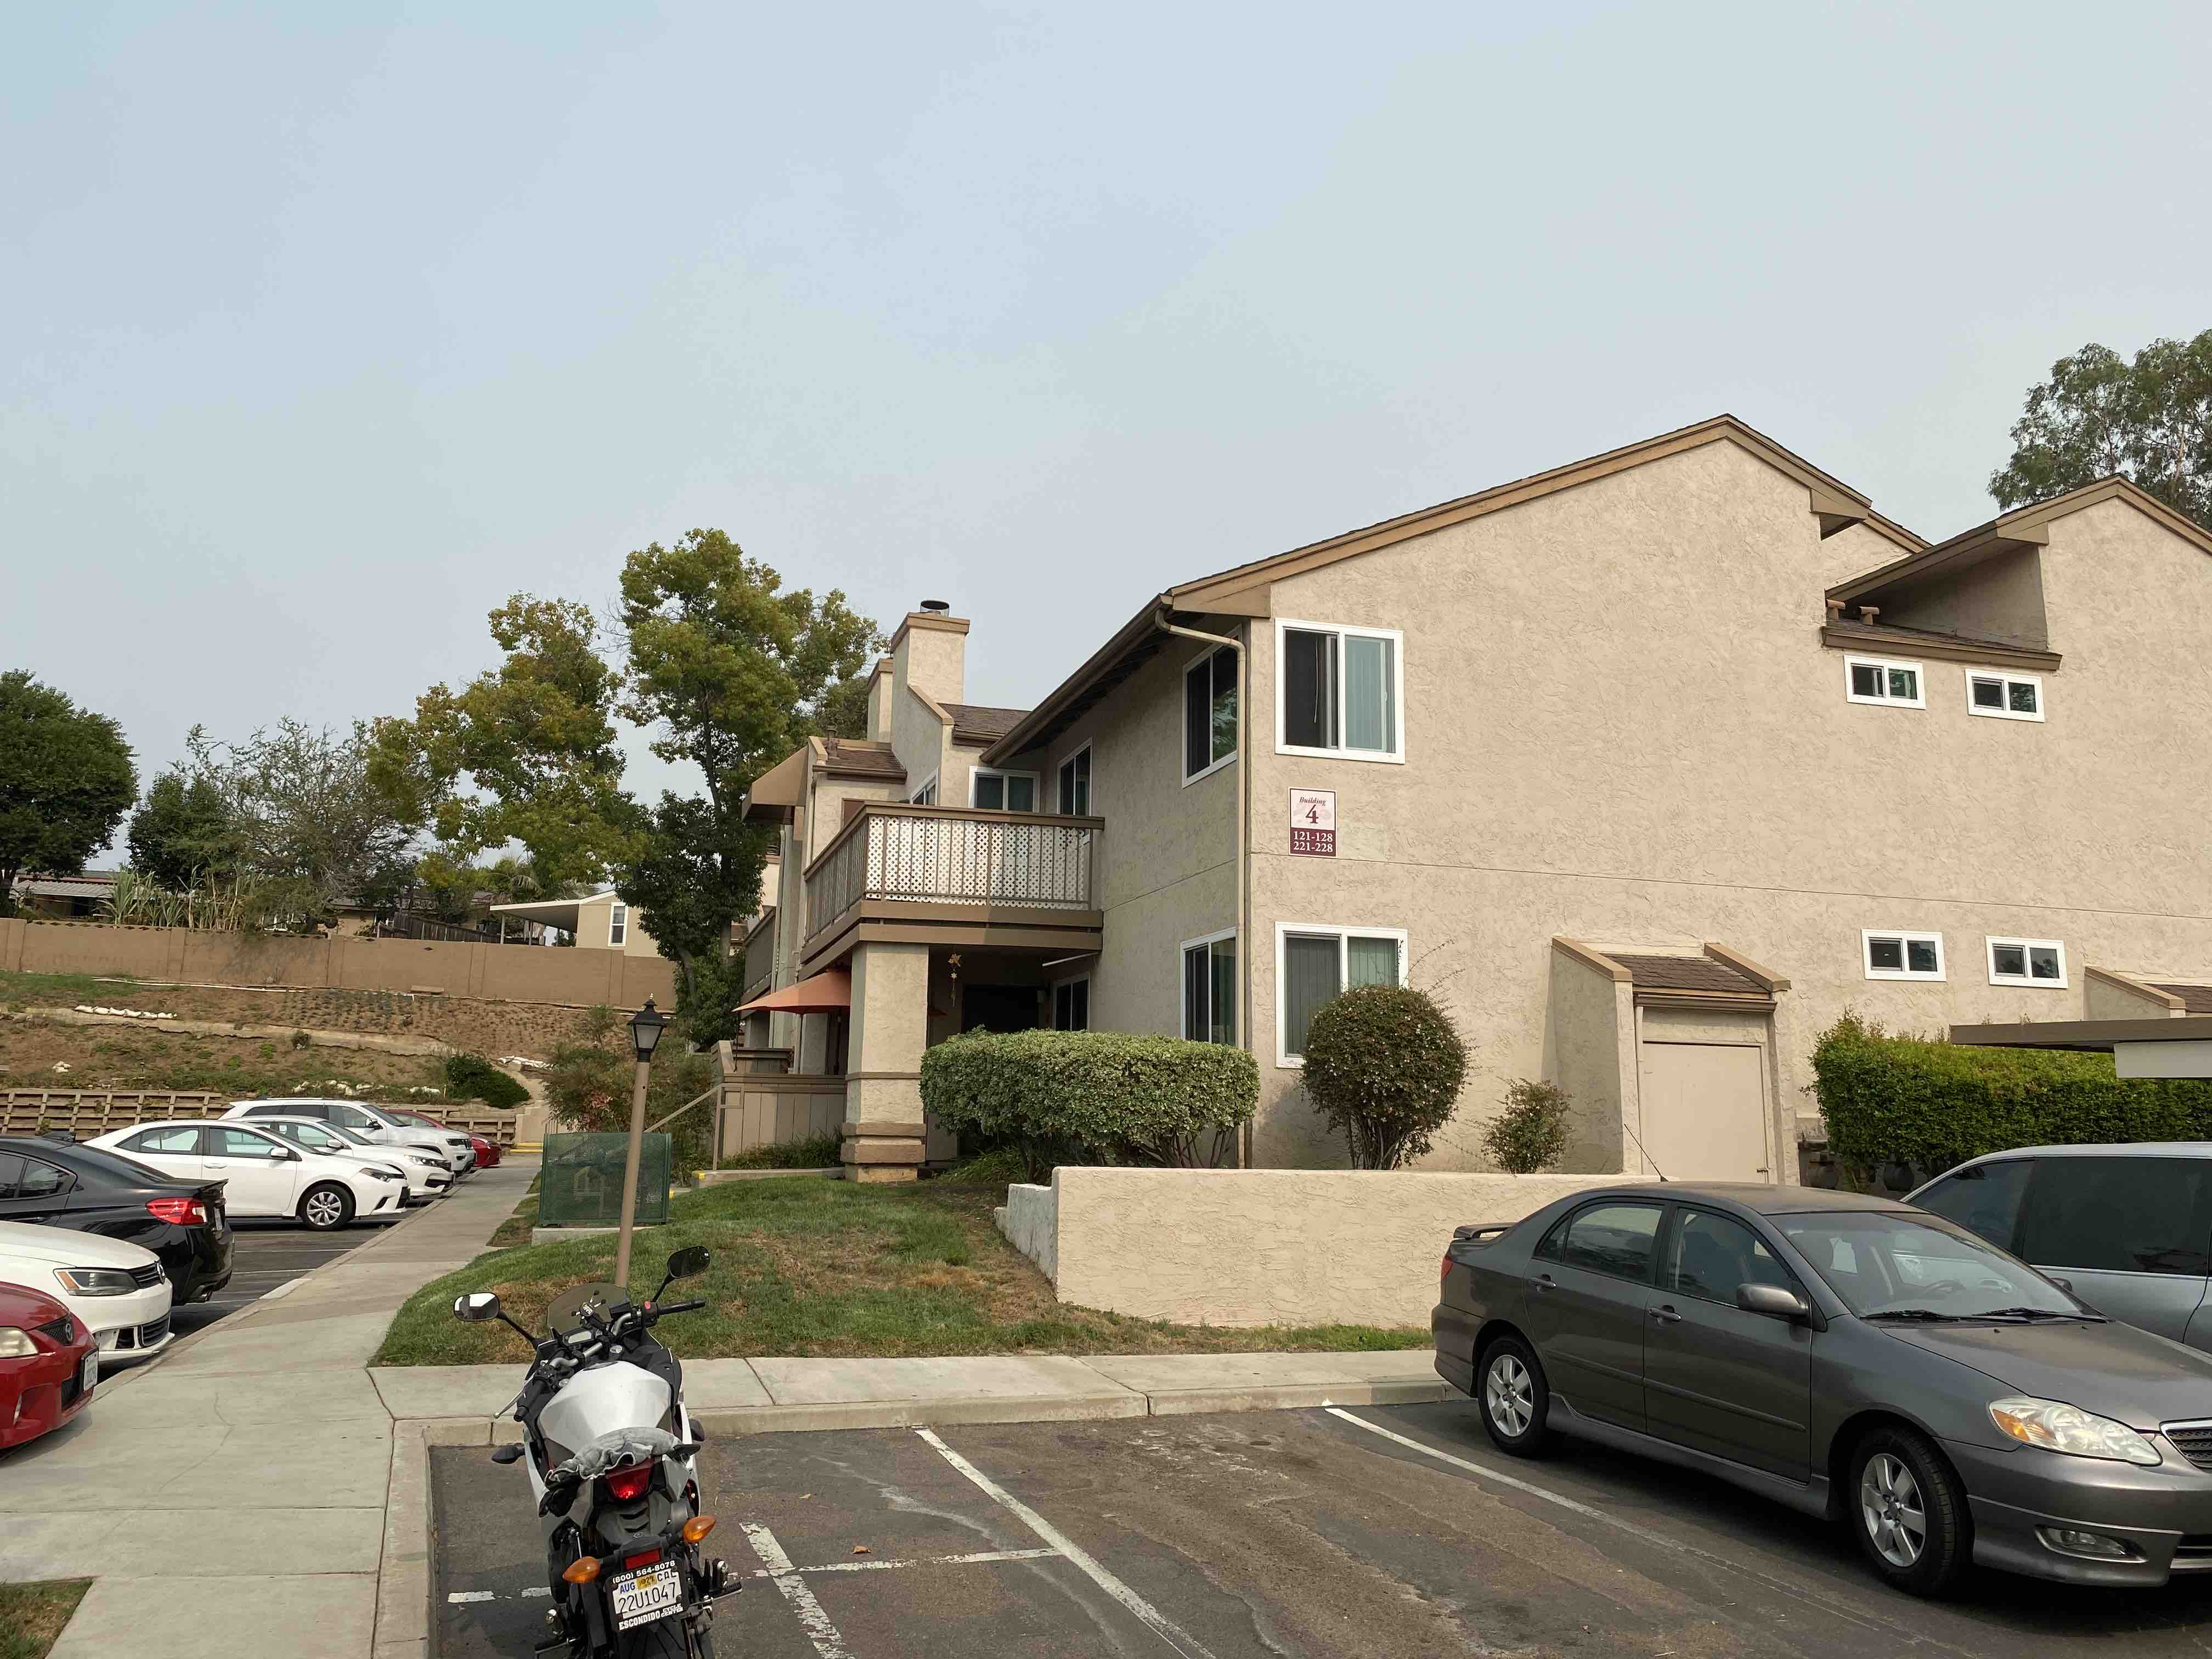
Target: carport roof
{"points": [[2091, 1035], [2195, 999]]}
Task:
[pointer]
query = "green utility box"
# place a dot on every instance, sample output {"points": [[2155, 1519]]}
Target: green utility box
{"points": [[580, 1182]]}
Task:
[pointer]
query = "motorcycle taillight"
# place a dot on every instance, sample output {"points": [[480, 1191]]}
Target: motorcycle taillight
{"points": [[628, 1485]]}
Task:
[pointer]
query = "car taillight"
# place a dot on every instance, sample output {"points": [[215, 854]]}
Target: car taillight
{"points": [[628, 1485], [183, 1212]]}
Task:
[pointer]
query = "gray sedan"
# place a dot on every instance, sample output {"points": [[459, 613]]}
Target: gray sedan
{"points": [[1850, 1357]]}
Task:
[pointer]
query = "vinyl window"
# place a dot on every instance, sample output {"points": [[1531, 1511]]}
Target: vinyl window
{"points": [[1898, 953], [1209, 989], [1315, 963], [1882, 680], [1339, 691], [1209, 713], [1071, 1005], [2004, 697], [1075, 784], [2027, 961], [618, 925], [993, 791]]}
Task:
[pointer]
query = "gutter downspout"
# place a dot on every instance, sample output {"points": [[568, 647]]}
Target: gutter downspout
{"points": [[1243, 817]]}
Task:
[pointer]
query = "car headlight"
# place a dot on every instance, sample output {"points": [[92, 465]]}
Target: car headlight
{"points": [[16, 1343], [95, 1281], [2055, 1426], [384, 1175]]}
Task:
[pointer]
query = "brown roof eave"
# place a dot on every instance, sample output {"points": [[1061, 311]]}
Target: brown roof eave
{"points": [[1041, 719]]}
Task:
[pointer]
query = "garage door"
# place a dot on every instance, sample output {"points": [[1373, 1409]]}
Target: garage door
{"points": [[1705, 1110]]}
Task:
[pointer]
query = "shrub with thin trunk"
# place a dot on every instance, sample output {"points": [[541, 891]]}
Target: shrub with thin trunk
{"points": [[1384, 1066], [1531, 1132]]}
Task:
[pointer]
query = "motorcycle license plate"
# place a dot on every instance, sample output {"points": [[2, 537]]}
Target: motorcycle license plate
{"points": [[648, 1593]]}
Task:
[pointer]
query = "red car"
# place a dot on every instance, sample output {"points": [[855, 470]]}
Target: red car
{"points": [[487, 1151], [48, 1365]]}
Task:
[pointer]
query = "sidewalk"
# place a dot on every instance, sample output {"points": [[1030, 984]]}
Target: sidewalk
{"points": [[263, 1488]]}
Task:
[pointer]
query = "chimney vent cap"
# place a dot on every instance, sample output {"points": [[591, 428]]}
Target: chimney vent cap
{"points": [[938, 606]]}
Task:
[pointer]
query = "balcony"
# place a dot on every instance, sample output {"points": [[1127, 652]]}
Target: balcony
{"points": [[932, 874]]}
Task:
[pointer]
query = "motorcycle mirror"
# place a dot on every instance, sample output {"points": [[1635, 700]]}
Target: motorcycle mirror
{"points": [[476, 1308], [690, 1263]]}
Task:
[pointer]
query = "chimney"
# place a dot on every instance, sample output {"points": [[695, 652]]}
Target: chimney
{"points": [[880, 701], [929, 651]]}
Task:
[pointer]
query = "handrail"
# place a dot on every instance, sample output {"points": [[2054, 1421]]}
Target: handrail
{"points": [[653, 1128]]}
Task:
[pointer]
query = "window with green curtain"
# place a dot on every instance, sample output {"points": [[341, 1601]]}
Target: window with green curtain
{"points": [[1222, 1023], [1310, 967], [1209, 991], [1370, 694], [1371, 961]]}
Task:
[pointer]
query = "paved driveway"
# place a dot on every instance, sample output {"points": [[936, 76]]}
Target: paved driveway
{"points": [[264, 1255], [1389, 1532]]}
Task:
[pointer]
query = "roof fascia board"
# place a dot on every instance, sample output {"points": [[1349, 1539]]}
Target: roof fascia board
{"points": [[1845, 636], [1575, 950], [1024, 734]]}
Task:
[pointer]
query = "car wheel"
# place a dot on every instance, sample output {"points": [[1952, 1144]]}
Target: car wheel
{"points": [[1909, 1512], [1510, 1387], [327, 1207]]}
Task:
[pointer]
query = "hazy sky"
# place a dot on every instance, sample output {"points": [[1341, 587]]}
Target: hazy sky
{"points": [[323, 329]]}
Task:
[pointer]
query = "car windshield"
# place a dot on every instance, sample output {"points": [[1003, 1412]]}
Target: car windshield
{"points": [[353, 1135], [1897, 1265]]}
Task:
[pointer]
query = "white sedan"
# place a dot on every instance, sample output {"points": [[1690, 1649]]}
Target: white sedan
{"points": [[427, 1175], [266, 1177], [117, 1291]]}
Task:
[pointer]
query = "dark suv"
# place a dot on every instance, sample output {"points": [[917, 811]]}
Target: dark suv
{"points": [[56, 1184]]}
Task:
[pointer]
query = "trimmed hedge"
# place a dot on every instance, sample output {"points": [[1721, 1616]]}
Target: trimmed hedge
{"points": [[1385, 1065], [1904, 1100], [1091, 1096]]}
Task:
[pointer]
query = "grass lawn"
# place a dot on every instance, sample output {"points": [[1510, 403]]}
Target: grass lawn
{"points": [[32, 1616], [807, 1266], [20, 991]]}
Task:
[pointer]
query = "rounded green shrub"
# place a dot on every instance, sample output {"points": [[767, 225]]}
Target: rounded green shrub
{"points": [[471, 1077], [1530, 1133], [1385, 1065], [1093, 1096]]}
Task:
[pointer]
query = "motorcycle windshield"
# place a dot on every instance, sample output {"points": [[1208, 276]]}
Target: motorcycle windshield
{"points": [[563, 1315]]}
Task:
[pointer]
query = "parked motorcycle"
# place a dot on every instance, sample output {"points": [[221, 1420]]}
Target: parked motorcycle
{"points": [[605, 1431]]}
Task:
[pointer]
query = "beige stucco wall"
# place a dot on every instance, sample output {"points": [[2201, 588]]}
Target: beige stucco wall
{"points": [[890, 1005], [923, 743], [1266, 1247], [595, 928], [1620, 724], [2105, 1000], [931, 655], [1590, 1050]]}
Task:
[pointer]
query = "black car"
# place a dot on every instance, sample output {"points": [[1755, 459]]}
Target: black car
{"points": [[56, 1184]]}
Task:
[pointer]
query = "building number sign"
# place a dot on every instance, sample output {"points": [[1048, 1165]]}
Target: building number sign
{"points": [[1313, 823]]}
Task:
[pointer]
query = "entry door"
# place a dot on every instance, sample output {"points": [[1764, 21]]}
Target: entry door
{"points": [[1705, 1110], [997, 1008], [1736, 1384], [1590, 1294]]}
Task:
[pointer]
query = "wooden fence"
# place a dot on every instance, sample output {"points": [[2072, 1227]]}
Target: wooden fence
{"points": [[88, 1112]]}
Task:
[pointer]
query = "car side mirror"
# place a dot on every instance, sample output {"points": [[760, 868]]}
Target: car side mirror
{"points": [[476, 1308], [690, 1261], [1772, 1300], [2065, 1285]]}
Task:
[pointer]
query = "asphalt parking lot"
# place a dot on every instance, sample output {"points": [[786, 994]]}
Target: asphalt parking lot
{"points": [[1390, 1532], [264, 1255]]}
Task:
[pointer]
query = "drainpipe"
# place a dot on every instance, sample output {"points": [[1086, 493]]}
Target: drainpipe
{"points": [[1243, 864]]}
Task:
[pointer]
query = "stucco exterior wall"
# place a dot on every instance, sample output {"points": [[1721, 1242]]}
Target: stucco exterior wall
{"points": [[2106, 998], [1619, 723], [1270, 1247], [1589, 1047], [923, 743]]}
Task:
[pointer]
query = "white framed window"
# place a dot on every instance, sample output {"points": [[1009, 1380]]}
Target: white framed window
{"points": [[1071, 1005], [1900, 953], [1075, 779], [1340, 691], [2004, 697], [2027, 961], [1209, 987], [927, 794], [1315, 960], [994, 791], [1886, 681], [618, 925], [1209, 713]]}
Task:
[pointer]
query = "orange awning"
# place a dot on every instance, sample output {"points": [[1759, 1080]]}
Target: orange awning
{"points": [[819, 995]]}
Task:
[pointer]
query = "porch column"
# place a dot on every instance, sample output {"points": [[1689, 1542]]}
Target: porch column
{"points": [[883, 1133]]}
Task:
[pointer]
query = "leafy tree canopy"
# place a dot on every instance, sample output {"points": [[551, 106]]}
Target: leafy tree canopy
{"points": [[2149, 420], [66, 779], [525, 752], [183, 833]]}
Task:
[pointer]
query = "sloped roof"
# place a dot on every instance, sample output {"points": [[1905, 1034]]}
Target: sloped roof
{"points": [[1669, 973], [975, 722], [854, 757], [2195, 999]]}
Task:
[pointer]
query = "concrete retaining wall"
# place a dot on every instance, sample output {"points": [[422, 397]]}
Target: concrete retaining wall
{"points": [[498, 973], [1261, 1246]]}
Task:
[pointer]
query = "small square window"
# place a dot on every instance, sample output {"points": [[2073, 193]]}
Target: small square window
{"points": [[1877, 679], [1894, 953], [2005, 696], [2027, 961]]}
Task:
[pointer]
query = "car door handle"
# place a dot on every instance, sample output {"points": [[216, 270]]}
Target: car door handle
{"points": [[1546, 1282], [1665, 1314]]}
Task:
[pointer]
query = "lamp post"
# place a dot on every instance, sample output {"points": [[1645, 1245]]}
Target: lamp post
{"points": [[645, 1036]]}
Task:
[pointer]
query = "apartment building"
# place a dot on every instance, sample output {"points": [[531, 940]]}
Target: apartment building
{"points": [[1649, 767]]}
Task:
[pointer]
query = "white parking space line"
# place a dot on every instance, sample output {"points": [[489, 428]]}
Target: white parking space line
{"points": [[1835, 1607], [811, 1620], [1146, 1612]]}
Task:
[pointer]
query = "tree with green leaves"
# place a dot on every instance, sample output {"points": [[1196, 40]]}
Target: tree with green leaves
{"points": [[66, 781], [2149, 420], [525, 752], [731, 671], [183, 834]]}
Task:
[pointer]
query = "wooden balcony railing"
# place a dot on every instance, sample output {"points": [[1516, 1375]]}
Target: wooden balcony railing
{"points": [[950, 855], [760, 957]]}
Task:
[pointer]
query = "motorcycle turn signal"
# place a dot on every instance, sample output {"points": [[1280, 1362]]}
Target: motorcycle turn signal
{"points": [[697, 1527]]}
